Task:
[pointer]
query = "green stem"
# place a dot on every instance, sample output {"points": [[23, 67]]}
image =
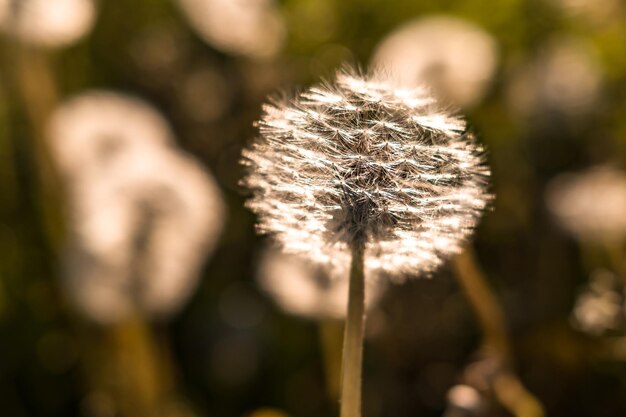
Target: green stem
{"points": [[485, 305], [36, 87], [506, 384], [351, 366]]}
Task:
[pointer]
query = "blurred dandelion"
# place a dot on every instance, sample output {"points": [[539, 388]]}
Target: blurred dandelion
{"points": [[564, 78], [590, 205], [47, 23], [307, 290], [253, 28], [600, 305], [454, 56], [101, 132], [142, 216], [359, 172]]}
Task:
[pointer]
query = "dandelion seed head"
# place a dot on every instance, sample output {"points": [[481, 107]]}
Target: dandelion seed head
{"points": [[590, 205], [360, 161], [47, 23]]}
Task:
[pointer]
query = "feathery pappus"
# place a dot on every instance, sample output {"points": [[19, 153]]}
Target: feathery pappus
{"points": [[359, 161]]}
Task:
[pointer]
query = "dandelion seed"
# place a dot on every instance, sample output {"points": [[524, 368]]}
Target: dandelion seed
{"points": [[352, 161], [141, 215], [47, 23], [590, 205]]}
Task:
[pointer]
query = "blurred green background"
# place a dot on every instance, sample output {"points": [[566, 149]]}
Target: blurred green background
{"points": [[231, 351]]}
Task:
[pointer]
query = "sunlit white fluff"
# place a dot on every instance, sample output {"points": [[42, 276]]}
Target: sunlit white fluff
{"points": [[306, 290], [47, 23], [141, 215], [361, 160], [252, 28], [456, 57], [591, 204]]}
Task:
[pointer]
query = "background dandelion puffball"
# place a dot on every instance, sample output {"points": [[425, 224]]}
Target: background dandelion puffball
{"points": [[252, 28], [455, 57], [360, 160], [47, 23], [100, 132], [142, 215]]}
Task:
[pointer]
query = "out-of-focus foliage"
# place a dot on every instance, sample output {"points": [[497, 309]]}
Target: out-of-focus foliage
{"points": [[556, 104]]}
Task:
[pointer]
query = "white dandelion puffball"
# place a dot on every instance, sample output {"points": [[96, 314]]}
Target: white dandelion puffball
{"points": [[47, 23], [306, 290], [141, 236], [253, 28], [454, 56], [591, 205], [361, 162], [98, 128], [141, 215]]}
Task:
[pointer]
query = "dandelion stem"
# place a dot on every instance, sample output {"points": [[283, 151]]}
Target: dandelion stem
{"points": [[506, 384], [485, 305], [351, 365], [36, 87]]}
